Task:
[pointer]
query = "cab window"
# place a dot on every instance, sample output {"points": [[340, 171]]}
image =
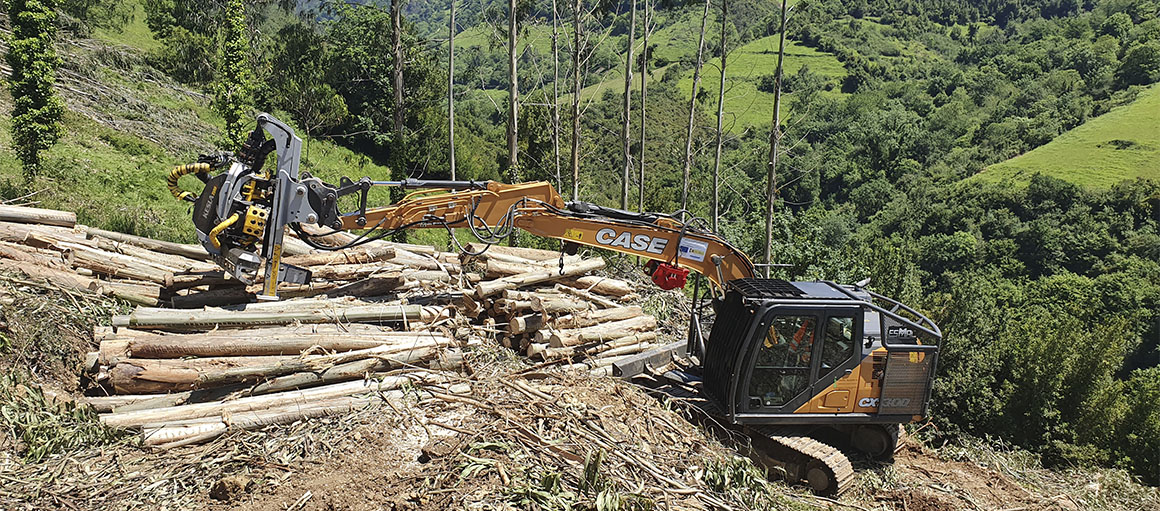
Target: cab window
{"points": [[838, 344], [781, 369]]}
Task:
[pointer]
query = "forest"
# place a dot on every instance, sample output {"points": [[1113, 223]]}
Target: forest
{"points": [[1047, 287]]}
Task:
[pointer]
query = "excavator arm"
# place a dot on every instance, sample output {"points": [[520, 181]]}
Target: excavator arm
{"points": [[242, 213]]}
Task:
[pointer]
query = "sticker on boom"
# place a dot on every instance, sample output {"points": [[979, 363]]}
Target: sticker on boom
{"points": [[693, 250]]}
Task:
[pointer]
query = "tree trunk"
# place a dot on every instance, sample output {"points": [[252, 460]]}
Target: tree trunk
{"points": [[576, 29], [589, 318], [245, 343], [602, 331], [195, 411], [628, 108], [397, 69], [692, 112], [714, 207], [556, 96], [486, 289], [451, 90], [513, 106], [643, 95], [165, 319], [360, 255], [165, 247], [25, 215], [774, 141]]}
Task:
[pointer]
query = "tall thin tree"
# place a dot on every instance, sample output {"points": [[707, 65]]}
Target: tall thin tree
{"points": [[556, 95], [451, 90], [233, 94], [513, 105], [714, 206], [513, 95], [692, 111], [36, 109], [397, 67], [577, 28], [774, 142], [625, 135], [643, 95]]}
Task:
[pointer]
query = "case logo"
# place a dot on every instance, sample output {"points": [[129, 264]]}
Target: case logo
{"points": [[640, 242]]}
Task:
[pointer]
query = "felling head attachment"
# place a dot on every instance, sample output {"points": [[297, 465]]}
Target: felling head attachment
{"points": [[242, 212]]}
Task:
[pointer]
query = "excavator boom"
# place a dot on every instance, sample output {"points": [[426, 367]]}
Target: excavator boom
{"points": [[241, 215]]}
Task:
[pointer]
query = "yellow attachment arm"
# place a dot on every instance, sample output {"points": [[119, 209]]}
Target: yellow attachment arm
{"points": [[177, 173], [213, 234]]}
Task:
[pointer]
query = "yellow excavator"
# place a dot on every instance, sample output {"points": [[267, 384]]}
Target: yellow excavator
{"points": [[809, 370]]}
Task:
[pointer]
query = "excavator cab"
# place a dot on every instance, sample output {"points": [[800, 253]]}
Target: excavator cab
{"points": [[817, 352]]}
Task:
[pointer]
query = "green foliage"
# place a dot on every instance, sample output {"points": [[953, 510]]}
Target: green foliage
{"points": [[1141, 64], [107, 14], [233, 90], [45, 426], [31, 55]]}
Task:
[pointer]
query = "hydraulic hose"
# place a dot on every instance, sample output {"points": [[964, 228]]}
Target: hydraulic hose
{"points": [[177, 173], [213, 234]]}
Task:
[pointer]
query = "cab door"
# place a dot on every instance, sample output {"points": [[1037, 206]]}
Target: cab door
{"points": [[838, 353], [798, 353], [781, 363]]}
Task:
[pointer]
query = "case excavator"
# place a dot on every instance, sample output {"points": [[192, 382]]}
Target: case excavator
{"points": [[810, 371]]}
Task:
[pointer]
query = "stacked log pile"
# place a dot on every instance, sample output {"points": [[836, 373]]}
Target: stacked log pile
{"points": [[199, 356]]}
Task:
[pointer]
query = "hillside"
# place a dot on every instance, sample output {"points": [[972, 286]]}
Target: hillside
{"points": [[1121, 144], [979, 162]]}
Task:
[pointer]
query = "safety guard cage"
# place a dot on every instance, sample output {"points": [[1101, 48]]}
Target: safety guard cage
{"points": [[911, 356]]}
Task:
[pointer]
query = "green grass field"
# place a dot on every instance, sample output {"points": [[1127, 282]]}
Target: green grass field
{"points": [[744, 104], [1121, 144], [135, 33]]}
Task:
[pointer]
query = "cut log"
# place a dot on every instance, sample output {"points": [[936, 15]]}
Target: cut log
{"points": [[523, 324], [359, 255], [555, 306], [213, 298], [371, 286], [602, 302], [602, 332], [390, 357], [583, 319], [356, 271], [115, 265], [171, 262], [166, 319], [299, 397], [601, 285], [63, 279], [39, 236], [505, 307], [153, 376], [490, 288], [534, 254], [550, 353], [470, 307], [140, 294], [26, 215], [32, 255], [165, 247], [497, 267], [259, 343]]}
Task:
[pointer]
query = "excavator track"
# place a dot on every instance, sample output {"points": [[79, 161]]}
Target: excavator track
{"points": [[824, 467], [800, 458]]}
